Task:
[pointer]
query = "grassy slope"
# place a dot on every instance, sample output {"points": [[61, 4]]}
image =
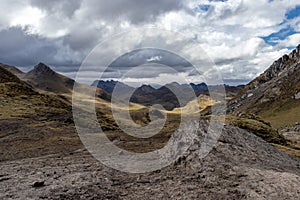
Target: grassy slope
{"points": [[32, 124]]}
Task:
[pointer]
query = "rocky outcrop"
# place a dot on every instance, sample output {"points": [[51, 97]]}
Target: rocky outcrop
{"points": [[240, 166], [280, 65], [278, 86]]}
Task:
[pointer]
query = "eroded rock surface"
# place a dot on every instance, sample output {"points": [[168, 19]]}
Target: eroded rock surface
{"points": [[240, 166]]}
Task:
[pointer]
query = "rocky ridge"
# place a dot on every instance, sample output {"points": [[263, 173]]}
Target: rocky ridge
{"points": [[276, 91]]}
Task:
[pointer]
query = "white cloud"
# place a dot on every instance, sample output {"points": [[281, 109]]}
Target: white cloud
{"points": [[29, 16], [154, 58], [290, 40], [230, 32]]}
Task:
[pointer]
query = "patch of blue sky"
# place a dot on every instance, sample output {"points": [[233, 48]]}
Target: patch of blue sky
{"points": [[206, 7], [293, 13], [202, 8], [291, 48], [273, 38]]}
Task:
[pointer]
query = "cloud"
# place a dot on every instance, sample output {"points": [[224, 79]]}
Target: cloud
{"points": [[135, 11], [62, 7], [154, 58], [240, 36], [290, 40], [22, 49], [150, 55]]}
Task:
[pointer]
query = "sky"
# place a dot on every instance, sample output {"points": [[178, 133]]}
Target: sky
{"points": [[242, 37]]}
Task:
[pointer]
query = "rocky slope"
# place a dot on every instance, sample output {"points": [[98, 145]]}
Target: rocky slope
{"points": [[32, 123], [240, 166], [41, 157], [275, 94], [35, 122], [12, 69]]}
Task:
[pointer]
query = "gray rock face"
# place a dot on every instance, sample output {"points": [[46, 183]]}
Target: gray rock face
{"points": [[240, 166]]}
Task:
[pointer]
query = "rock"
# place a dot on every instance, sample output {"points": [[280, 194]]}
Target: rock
{"points": [[42, 118], [38, 184], [297, 96], [238, 166]]}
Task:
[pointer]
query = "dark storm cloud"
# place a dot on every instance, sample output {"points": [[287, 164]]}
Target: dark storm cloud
{"points": [[135, 11], [22, 49], [18, 48], [149, 55], [147, 63], [82, 39]]}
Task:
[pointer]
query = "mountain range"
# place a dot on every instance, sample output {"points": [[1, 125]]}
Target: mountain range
{"points": [[41, 155], [164, 95]]}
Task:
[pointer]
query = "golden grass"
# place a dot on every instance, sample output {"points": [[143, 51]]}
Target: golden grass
{"points": [[282, 118], [292, 150], [194, 106]]}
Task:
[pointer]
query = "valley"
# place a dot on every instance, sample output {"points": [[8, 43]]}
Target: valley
{"points": [[257, 154]]}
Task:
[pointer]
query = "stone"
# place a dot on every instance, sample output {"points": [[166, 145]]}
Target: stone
{"points": [[297, 96], [38, 184]]}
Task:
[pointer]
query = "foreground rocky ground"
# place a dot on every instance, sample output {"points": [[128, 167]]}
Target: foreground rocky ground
{"points": [[240, 166]]}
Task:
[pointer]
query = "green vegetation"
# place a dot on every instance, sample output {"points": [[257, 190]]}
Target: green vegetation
{"points": [[257, 126]]}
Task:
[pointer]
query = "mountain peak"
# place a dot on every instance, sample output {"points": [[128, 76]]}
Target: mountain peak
{"points": [[281, 65], [39, 70], [42, 68], [147, 87], [175, 83]]}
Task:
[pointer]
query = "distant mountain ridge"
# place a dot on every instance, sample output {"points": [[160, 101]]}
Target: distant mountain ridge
{"points": [[109, 86], [148, 95]]}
